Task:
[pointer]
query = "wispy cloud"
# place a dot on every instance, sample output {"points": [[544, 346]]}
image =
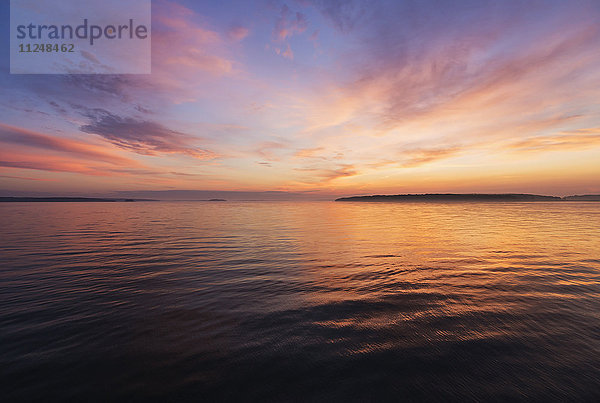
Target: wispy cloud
{"points": [[181, 48], [581, 139], [10, 135], [270, 150], [309, 152], [27, 178], [325, 174], [417, 157], [289, 23]]}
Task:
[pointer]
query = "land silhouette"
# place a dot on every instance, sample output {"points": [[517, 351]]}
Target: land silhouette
{"points": [[425, 197], [67, 199], [484, 197]]}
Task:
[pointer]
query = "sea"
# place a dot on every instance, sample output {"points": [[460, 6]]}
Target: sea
{"points": [[300, 301]]}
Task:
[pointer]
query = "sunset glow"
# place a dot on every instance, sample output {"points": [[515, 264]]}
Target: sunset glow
{"points": [[329, 98]]}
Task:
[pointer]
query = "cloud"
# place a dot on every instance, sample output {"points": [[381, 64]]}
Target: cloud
{"points": [[52, 165], [287, 52], [25, 149], [83, 86], [90, 57], [186, 56], [327, 174], [458, 82], [289, 23], [63, 93], [344, 14], [309, 152], [414, 62], [18, 136], [26, 178], [182, 49], [140, 136], [417, 157], [269, 150], [581, 139], [238, 33]]}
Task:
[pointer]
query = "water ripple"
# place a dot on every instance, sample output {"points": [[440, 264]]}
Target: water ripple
{"points": [[300, 301]]}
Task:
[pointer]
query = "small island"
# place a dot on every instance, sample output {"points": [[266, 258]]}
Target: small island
{"points": [[467, 197]]}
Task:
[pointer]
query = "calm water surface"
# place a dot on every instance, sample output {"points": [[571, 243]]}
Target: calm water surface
{"points": [[275, 301]]}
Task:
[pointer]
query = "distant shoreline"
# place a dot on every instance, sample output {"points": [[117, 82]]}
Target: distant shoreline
{"points": [[425, 197], [13, 199], [68, 199], [484, 197]]}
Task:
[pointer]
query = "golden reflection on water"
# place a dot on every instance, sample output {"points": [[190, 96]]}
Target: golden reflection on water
{"points": [[409, 294], [483, 258]]}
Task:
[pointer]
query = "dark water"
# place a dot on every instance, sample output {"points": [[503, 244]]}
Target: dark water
{"points": [[300, 301]]}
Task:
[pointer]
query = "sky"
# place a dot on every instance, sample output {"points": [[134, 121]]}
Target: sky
{"points": [[318, 97]]}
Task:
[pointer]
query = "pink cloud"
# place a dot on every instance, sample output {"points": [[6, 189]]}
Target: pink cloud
{"points": [[18, 137], [184, 53], [23, 149]]}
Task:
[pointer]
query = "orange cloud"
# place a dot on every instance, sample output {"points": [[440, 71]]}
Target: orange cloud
{"points": [[324, 175], [308, 152], [566, 141], [418, 157]]}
